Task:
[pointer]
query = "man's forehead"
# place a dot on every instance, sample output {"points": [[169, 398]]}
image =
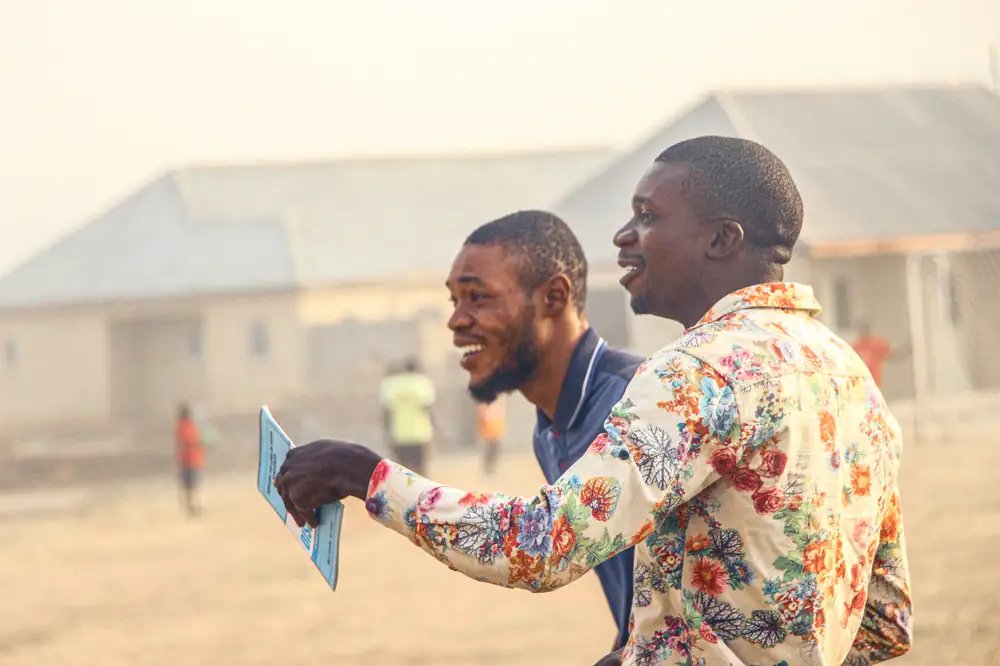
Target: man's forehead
{"points": [[481, 264], [661, 179]]}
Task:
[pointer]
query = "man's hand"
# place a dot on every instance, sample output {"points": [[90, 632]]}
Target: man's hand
{"points": [[613, 659], [323, 472]]}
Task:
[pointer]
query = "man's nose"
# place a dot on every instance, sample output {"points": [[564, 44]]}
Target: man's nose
{"points": [[627, 235], [459, 319]]}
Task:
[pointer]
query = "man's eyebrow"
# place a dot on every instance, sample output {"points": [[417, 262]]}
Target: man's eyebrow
{"points": [[466, 279]]}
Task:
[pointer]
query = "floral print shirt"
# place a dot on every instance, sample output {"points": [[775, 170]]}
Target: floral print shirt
{"points": [[753, 463]]}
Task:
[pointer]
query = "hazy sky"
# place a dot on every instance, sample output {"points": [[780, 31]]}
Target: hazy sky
{"points": [[99, 96]]}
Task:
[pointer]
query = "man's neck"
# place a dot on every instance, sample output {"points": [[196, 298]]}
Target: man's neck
{"points": [[714, 292], [542, 389]]}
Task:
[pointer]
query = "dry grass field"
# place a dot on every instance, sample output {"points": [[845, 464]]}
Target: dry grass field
{"points": [[124, 579]]}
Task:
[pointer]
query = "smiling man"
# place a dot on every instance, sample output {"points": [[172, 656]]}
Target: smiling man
{"points": [[753, 462], [519, 287]]}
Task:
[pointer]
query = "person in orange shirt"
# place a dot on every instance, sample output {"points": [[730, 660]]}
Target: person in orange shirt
{"points": [[491, 418], [190, 456], [874, 350]]}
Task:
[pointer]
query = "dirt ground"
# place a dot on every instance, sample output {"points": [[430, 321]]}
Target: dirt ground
{"points": [[125, 580]]}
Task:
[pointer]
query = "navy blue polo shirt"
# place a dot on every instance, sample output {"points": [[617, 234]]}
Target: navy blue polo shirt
{"points": [[594, 383]]}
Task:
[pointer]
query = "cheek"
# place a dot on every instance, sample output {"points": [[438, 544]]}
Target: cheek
{"points": [[494, 331], [674, 257]]}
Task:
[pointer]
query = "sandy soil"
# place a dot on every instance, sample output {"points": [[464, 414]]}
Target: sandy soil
{"points": [[127, 580]]}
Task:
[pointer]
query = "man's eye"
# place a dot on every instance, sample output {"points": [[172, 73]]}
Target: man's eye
{"points": [[645, 216], [474, 297]]}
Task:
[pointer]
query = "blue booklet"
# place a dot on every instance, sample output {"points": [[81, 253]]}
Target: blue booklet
{"points": [[322, 543]]}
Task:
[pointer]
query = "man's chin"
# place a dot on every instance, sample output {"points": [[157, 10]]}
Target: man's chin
{"points": [[489, 389], [639, 304], [483, 392]]}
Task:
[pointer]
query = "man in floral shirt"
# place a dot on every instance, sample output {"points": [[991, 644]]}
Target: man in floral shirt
{"points": [[752, 463]]}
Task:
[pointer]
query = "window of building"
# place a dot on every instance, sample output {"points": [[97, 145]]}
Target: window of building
{"points": [[258, 339], [842, 304], [954, 308], [194, 342], [11, 353]]}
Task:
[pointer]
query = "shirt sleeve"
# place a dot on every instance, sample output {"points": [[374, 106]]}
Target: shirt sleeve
{"points": [[886, 630], [656, 454]]}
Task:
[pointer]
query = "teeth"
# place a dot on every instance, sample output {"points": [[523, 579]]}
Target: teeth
{"points": [[471, 349], [630, 269]]}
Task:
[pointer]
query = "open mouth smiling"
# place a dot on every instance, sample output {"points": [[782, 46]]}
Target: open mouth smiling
{"points": [[470, 353], [633, 268]]}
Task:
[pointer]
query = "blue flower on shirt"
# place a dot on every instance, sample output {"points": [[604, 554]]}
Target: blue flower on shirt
{"points": [[534, 535], [378, 505], [717, 407], [740, 574]]}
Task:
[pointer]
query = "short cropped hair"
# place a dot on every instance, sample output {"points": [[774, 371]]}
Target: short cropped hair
{"points": [[742, 180], [545, 246]]}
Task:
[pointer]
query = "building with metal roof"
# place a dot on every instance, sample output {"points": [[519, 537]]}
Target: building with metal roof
{"points": [[902, 215], [233, 286], [245, 228], [878, 168]]}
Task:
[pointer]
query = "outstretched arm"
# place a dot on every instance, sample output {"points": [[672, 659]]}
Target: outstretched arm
{"points": [[656, 453]]}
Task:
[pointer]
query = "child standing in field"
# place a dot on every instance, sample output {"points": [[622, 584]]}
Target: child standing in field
{"points": [[491, 419], [190, 456]]}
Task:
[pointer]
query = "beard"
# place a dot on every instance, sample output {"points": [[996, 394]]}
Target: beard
{"points": [[518, 366], [639, 305]]}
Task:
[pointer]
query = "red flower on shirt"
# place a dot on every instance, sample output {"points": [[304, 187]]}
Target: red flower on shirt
{"points": [[709, 576], [724, 460], [768, 500], [379, 476], [563, 538], [475, 499], [772, 463], [746, 480]]}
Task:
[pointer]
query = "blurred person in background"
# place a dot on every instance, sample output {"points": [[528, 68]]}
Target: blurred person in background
{"points": [[190, 457], [753, 462], [407, 396], [391, 368], [491, 418], [873, 349]]}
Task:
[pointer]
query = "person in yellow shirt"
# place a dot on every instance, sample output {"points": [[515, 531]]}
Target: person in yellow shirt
{"points": [[491, 419], [407, 397]]}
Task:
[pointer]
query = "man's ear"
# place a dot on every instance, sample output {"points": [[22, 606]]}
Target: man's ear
{"points": [[727, 239], [556, 293]]}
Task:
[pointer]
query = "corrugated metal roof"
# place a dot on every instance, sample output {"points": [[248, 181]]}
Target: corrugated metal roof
{"points": [[238, 228], [871, 164]]}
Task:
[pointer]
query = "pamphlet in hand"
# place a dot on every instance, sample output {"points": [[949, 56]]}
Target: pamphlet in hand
{"points": [[322, 543]]}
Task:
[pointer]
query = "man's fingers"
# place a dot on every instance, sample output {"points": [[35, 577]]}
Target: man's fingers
{"points": [[296, 516], [281, 477], [293, 510], [311, 518], [308, 506], [306, 501]]}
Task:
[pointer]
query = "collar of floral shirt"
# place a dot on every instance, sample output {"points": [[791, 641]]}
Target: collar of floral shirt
{"points": [[779, 295]]}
